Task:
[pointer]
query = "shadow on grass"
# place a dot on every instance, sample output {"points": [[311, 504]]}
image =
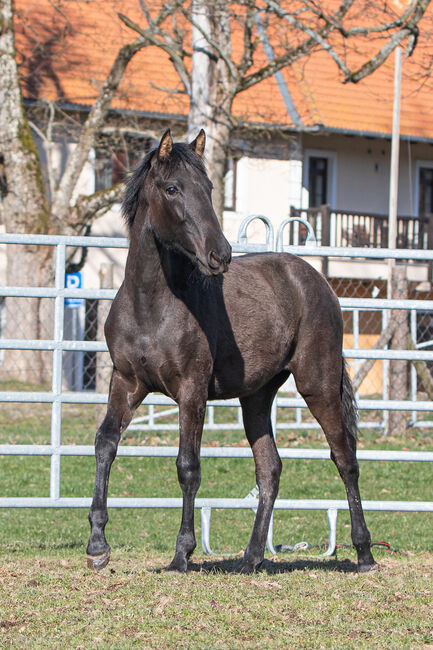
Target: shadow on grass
{"points": [[233, 565], [25, 547]]}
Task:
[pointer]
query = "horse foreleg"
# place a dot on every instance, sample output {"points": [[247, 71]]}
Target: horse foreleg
{"points": [[122, 403], [191, 418], [256, 416]]}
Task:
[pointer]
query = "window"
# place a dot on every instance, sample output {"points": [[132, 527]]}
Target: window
{"points": [[230, 185], [425, 191], [103, 170], [319, 178], [114, 162], [318, 181]]}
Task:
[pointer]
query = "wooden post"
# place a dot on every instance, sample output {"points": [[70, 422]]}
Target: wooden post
{"points": [[430, 246], [326, 234], [104, 365], [398, 370]]}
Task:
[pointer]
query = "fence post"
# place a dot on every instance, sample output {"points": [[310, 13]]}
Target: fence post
{"points": [[325, 239], [430, 246], [397, 377], [103, 360]]}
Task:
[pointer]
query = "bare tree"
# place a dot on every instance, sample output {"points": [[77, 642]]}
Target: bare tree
{"points": [[37, 202], [204, 32]]}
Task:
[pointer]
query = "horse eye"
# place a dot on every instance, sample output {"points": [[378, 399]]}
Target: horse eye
{"points": [[171, 190]]}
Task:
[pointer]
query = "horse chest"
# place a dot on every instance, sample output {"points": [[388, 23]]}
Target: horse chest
{"points": [[163, 357]]}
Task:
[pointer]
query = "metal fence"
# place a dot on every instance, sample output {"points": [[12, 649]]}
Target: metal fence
{"points": [[354, 308]]}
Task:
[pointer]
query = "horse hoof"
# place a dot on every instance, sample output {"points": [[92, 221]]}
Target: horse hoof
{"points": [[364, 568], [98, 562], [179, 565], [176, 567], [249, 567]]}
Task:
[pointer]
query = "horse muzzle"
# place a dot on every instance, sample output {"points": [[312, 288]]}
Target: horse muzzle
{"points": [[219, 263]]}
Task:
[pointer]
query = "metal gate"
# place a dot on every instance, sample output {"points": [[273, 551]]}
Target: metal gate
{"points": [[56, 396]]}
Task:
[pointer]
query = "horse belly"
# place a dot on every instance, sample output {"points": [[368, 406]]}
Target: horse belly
{"points": [[250, 363]]}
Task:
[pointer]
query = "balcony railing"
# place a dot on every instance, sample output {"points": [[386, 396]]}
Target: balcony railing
{"points": [[360, 229]]}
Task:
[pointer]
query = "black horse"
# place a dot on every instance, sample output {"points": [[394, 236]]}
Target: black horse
{"points": [[188, 323]]}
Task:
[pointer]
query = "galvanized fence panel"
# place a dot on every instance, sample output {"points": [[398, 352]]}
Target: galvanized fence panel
{"points": [[57, 396]]}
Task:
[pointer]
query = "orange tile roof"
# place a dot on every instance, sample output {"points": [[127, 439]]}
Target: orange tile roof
{"points": [[65, 49]]}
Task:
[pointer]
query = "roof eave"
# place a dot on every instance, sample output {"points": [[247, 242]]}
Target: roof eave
{"points": [[373, 134], [315, 129]]}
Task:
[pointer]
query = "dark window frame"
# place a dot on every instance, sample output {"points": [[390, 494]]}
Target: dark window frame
{"points": [[424, 182], [314, 174]]}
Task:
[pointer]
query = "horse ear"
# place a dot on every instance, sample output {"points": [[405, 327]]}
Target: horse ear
{"points": [[165, 146], [199, 143]]}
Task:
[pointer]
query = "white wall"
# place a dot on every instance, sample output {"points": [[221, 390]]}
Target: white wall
{"points": [[267, 187], [360, 182], [363, 166], [110, 225]]}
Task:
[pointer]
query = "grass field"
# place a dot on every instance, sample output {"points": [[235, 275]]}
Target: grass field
{"points": [[48, 598]]}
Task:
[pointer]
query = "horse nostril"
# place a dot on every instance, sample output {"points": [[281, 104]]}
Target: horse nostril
{"points": [[213, 260]]}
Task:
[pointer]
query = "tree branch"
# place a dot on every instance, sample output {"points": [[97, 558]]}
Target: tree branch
{"points": [[165, 43], [89, 208], [293, 54], [63, 195], [170, 91], [47, 143], [410, 29], [250, 44]]}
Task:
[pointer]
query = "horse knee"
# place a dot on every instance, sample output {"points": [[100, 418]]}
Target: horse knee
{"points": [[347, 465], [268, 481], [107, 439], [188, 470]]}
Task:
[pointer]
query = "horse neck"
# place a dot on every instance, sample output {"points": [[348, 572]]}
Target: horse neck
{"points": [[143, 265], [152, 269]]}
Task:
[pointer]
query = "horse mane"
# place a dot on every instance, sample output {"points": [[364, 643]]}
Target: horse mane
{"points": [[181, 154]]}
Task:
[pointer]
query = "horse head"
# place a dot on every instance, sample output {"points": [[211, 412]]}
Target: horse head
{"points": [[178, 196]]}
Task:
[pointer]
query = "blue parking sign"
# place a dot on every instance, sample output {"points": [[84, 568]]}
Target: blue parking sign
{"points": [[73, 281]]}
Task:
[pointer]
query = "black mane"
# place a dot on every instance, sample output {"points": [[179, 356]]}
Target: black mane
{"points": [[181, 154]]}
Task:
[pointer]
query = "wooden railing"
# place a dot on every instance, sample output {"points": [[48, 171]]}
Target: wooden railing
{"points": [[360, 229]]}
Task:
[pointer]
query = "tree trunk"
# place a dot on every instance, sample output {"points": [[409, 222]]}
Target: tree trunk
{"points": [[24, 205], [28, 318], [24, 209], [212, 90]]}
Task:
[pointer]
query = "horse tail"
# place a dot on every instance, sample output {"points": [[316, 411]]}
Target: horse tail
{"points": [[350, 407]]}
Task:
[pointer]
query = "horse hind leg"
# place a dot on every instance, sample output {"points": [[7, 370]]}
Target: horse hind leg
{"points": [[332, 404], [122, 402], [257, 422]]}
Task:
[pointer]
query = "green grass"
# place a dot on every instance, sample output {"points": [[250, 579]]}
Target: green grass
{"points": [[48, 598], [51, 602]]}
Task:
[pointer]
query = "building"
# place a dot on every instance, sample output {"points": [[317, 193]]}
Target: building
{"points": [[304, 139]]}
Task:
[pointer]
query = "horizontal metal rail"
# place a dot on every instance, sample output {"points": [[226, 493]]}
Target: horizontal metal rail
{"points": [[366, 253], [303, 251], [109, 294], [237, 504], [156, 400], [99, 346], [163, 451], [56, 240]]}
